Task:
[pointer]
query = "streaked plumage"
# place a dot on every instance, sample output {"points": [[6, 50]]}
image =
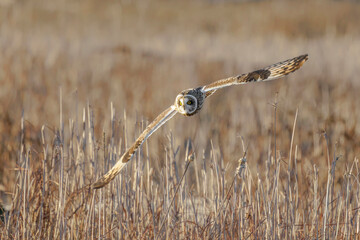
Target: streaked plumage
{"points": [[190, 101]]}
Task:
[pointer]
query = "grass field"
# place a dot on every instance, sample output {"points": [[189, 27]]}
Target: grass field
{"points": [[81, 80]]}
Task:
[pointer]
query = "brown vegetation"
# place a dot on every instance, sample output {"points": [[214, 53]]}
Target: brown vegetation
{"points": [[80, 80]]}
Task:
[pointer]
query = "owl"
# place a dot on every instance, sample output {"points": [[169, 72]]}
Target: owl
{"points": [[190, 102]]}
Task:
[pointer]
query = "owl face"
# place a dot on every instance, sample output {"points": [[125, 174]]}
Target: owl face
{"points": [[186, 104]]}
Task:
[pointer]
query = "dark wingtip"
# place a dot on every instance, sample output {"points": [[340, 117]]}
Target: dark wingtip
{"points": [[302, 59], [99, 183], [305, 56]]}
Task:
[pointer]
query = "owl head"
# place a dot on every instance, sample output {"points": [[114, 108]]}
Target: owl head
{"points": [[186, 104], [190, 101]]}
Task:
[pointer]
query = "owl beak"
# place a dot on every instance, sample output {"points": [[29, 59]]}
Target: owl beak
{"points": [[180, 104], [182, 107], [182, 101]]}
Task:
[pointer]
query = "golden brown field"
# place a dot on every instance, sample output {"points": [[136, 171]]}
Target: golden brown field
{"points": [[80, 80]]}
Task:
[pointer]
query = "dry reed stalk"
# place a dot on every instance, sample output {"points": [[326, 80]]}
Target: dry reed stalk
{"points": [[189, 160], [288, 194]]}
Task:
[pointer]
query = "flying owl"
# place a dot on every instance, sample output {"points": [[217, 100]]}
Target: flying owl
{"points": [[190, 102]]}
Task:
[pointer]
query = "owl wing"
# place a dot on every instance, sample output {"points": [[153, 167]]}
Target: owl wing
{"points": [[269, 73], [126, 157]]}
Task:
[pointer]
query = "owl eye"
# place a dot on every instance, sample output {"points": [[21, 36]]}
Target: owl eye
{"points": [[180, 103], [189, 102]]}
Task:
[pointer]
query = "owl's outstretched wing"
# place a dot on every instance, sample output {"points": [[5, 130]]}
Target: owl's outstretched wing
{"points": [[150, 129], [269, 73]]}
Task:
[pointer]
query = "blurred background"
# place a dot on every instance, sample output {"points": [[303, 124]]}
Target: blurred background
{"points": [[139, 55]]}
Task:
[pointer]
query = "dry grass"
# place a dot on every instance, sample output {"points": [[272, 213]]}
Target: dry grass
{"points": [[79, 81]]}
